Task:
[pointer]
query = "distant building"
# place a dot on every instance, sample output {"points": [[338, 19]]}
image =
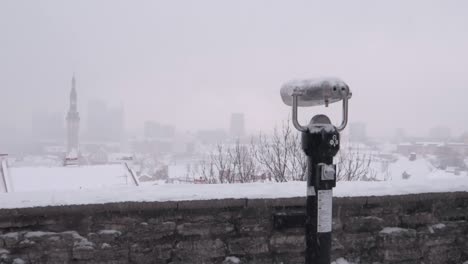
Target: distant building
{"points": [[152, 146], [237, 125], [464, 137], [433, 148], [104, 124], [440, 133], [357, 132], [154, 129], [211, 136], [73, 121]]}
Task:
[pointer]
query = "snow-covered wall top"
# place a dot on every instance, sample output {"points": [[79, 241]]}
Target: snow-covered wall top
{"points": [[184, 192], [417, 228]]}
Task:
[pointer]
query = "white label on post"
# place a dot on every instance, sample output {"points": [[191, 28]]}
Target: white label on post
{"points": [[324, 214]]}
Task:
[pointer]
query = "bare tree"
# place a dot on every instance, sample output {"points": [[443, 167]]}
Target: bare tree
{"points": [[297, 159], [223, 164], [273, 153], [207, 171], [354, 166], [243, 163]]}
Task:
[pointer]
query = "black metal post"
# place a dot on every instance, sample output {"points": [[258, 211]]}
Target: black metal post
{"points": [[320, 143]]}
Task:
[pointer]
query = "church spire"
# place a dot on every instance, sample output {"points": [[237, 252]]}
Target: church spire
{"points": [[73, 96], [73, 119]]}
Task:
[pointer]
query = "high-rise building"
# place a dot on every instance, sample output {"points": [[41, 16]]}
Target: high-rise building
{"points": [[73, 121], [211, 136], [237, 126], [154, 129], [104, 124], [441, 133]]}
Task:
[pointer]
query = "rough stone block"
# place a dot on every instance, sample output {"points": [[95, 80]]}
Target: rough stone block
{"points": [[279, 202], [397, 238], [82, 253], [164, 229], [108, 235], [221, 229], [151, 232], [435, 240], [336, 245], [211, 204], [289, 259], [418, 219], [140, 253], [10, 239], [363, 224], [190, 229], [403, 254], [248, 246], [357, 241], [260, 259], [58, 256], [200, 249], [188, 232], [281, 243], [204, 229], [449, 213], [111, 255], [163, 251], [337, 224], [254, 225]]}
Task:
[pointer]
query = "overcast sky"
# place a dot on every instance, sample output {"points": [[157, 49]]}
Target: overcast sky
{"points": [[192, 63]]}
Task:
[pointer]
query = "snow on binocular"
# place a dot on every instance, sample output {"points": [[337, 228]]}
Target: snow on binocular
{"points": [[314, 92]]}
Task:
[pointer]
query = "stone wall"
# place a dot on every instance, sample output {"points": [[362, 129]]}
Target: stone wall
{"points": [[424, 228]]}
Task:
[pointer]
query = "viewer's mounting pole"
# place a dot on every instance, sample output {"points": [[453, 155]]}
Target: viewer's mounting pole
{"points": [[320, 142]]}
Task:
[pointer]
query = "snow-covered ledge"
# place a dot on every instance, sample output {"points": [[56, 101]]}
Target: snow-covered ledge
{"points": [[184, 192], [411, 228]]}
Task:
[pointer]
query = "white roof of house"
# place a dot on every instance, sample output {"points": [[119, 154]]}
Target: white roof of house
{"points": [[25, 179]]}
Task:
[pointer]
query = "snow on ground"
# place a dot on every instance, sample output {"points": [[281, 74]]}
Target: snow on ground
{"points": [[26, 179], [341, 261], [419, 168], [230, 260], [183, 192], [44, 186], [403, 168], [391, 230], [36, 161]]}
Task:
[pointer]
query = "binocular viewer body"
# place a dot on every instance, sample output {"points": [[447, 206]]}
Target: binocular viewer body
{"points": [[320, 142], [313, 92]]}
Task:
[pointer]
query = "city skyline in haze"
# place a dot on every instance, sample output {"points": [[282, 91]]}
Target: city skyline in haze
{"points": [[191, 65]]}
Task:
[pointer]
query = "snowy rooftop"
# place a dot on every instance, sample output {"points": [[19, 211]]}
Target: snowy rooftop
{"points": [[30, 179], [42, 186]]}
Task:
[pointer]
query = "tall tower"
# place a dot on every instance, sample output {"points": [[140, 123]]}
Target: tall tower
{"points": [[73, 121]]}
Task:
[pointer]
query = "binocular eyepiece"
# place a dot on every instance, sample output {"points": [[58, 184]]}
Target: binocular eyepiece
{"points": [[315, 92]]}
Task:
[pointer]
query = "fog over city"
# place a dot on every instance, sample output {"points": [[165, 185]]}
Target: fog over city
{"points": [[192, 64], [152, 131]]}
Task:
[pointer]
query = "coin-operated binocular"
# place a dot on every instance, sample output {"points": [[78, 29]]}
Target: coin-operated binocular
{"points": [[320, 142]]}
